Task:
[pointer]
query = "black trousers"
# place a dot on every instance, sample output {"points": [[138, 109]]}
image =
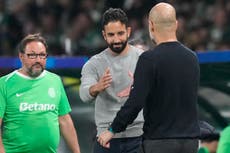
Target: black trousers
{"points": [[120, 145], [170, 146]]}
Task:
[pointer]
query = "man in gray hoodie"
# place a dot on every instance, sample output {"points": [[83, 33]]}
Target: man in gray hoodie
{"points": [[106, 80]]}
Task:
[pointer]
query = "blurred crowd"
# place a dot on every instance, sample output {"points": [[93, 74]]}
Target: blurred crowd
{"points": [[72, 27]]}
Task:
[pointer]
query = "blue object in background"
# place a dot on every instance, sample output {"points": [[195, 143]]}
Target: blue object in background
{"points": [[79, 61]]}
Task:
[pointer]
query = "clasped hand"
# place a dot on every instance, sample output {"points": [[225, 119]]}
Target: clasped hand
{"points": [[104, 138]]}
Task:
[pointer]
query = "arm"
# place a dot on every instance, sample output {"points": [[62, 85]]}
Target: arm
{"points": [[136, 101], [68, 132], [224, 144], [2, 150], [91, 85], [126, 91], [102, 84]]}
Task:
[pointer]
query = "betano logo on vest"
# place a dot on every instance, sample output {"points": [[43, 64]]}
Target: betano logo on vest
{"points": [[36, 107]]}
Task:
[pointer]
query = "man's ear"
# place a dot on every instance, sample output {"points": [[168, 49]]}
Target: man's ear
{"points": [[20, 55], [103, 34], [176, 24], [151, 26], [129, 29]]}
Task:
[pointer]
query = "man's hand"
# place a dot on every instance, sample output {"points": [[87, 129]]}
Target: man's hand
{"points": [[105, 80], [103, 83], [104, 138], [2, 150], [125, 92]]}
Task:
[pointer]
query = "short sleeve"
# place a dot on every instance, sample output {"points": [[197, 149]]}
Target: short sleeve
{"points": [[64, 106]]}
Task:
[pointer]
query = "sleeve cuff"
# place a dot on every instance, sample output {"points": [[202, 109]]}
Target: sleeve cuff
{"points": [[111, 130]]}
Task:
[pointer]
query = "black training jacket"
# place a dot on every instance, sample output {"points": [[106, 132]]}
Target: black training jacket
{"points": [[165, 85]]}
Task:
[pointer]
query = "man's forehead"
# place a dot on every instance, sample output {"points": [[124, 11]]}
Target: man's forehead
{"points": [[35, 46], [115, 27]]}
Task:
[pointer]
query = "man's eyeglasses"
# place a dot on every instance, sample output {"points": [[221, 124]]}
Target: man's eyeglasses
{"points": [[34, 56]]}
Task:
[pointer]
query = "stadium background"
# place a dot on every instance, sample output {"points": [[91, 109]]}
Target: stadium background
{"points": [[73, 31]]}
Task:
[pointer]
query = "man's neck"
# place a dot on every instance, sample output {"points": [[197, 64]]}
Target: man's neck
{"points": [[166, 38]]}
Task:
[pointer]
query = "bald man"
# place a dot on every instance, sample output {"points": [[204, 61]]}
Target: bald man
{"points": [[165, 85]]}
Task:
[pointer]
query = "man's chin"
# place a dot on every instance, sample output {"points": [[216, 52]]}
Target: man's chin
{"points": [[36, 73], [117, 50]]}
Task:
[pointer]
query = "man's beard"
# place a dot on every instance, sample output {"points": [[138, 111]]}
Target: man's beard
{"points": [[32, 73], [118, 50]]}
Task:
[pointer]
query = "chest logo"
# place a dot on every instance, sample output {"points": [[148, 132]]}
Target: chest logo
{"points": [[51, 92], [19, 94]]}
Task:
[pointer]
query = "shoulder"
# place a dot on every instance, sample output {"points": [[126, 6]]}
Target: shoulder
{"points": [[101, 55], [7, 80], [226, 131], [136, 50], [96, 59], [149, 54], [188, 49], [7, 77], [52, 75]]}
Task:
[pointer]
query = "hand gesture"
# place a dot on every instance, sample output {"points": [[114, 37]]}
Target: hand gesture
{"points": [[103, 83], [105, 80], [125, 92], [104, 138]]}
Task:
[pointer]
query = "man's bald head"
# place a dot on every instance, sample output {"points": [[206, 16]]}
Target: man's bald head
{"points": [[163, 15], [162, 23]]}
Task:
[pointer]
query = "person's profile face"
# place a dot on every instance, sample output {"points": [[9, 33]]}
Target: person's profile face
{"points": [[34, 58], [116, 35]]}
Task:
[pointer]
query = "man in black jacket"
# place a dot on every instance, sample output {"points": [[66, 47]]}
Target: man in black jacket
{"points": [[165, 85]]}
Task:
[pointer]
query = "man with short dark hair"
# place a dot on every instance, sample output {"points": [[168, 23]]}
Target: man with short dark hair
{"points": [[106, 80]]}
